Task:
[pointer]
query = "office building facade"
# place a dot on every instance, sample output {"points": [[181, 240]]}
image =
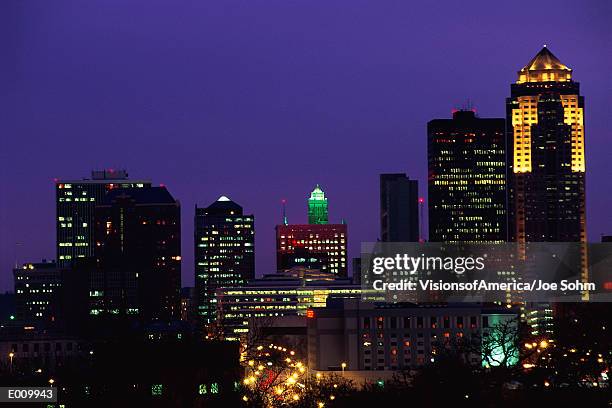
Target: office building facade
{"points": [[224, 252], [290, 293], [50, 297], [138, 255], [399, 208], [546, 165], [366, 336], [316, 246], [467, 179], [75, 205], [546, 158]]}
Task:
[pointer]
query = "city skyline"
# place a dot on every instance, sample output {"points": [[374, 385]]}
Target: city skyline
{"points": [[395, 123]]}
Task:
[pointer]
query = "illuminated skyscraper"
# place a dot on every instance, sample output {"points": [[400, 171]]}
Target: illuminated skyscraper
{"points": [[75, 204], [546, 163], [545, 131], [316, 245], [224, 252], [467, 179], [399, 206], [317, 207]]}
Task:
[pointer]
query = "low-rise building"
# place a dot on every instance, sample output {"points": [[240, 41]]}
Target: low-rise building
{"points": [[352, 335], [291, 293]]}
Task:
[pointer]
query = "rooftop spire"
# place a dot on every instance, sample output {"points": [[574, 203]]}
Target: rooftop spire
{"points": [[285, 221]]}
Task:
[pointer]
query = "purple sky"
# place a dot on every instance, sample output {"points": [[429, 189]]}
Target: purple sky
{"points": [[260, 100]]}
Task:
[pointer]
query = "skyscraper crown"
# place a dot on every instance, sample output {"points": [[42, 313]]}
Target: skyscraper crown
{"points": [[317, 194], [317, 207], [544, 67], [223, 206]]}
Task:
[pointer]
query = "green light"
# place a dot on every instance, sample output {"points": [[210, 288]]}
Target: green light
{"points": [[317, 207], [496, 351], [12, 317], [203, 388], [157, 389], [380, 383]]}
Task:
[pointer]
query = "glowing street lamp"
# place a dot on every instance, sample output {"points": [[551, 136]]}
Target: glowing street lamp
{"points": [[11, 355]]}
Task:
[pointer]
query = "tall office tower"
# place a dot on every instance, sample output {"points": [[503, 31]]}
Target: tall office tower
{"points": [[75, 204], [546, 164], [138, 255], [224, 252], [316, 245], [545, 131], [317, 207], [467, 179], [399, 208]]}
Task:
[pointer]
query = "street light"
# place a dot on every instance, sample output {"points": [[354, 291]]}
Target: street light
{"points": [[11, 355], [343, 365]]}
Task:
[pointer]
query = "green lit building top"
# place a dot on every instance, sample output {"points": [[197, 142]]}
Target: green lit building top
{"points": [[317, 207]]}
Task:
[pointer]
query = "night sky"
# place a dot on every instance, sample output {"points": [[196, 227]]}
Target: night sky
{"points": [[261, 100]]}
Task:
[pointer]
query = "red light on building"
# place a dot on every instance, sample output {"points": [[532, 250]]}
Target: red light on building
{"points": [[421, 200], [326, 244], [310, 314], [607, 285]]}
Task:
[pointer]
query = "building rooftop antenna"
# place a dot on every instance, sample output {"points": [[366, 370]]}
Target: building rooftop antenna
{"points": [[284, 203]]}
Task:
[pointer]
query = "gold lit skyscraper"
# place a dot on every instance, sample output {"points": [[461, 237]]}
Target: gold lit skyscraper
{"points": [[545, 119], [546, 160]]}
